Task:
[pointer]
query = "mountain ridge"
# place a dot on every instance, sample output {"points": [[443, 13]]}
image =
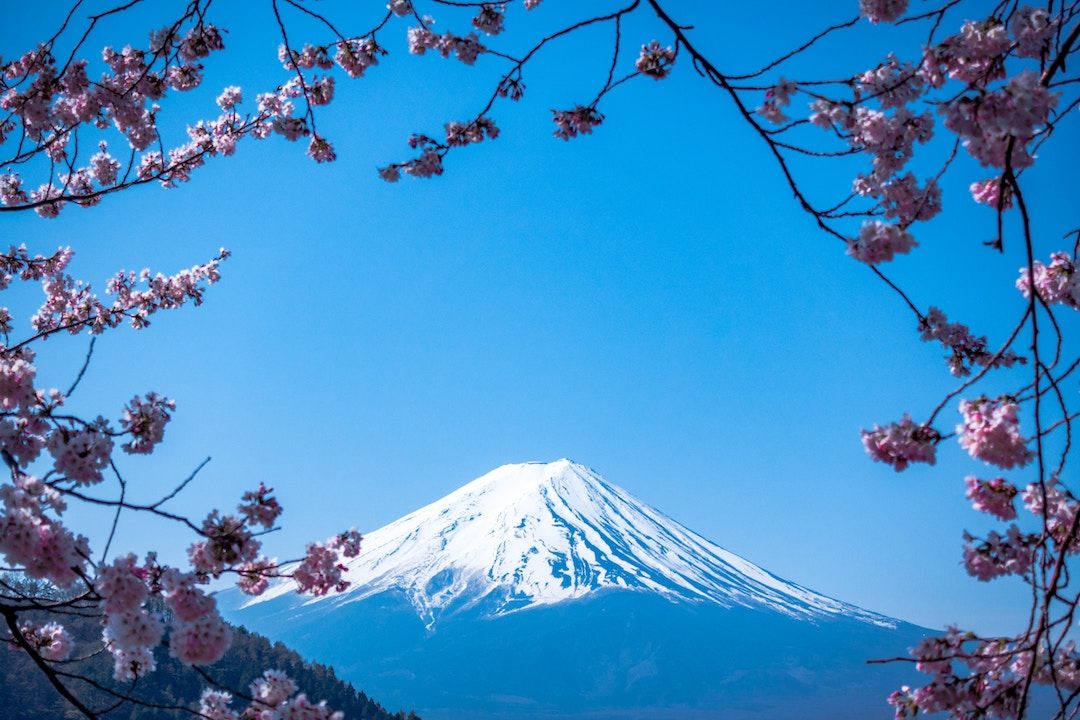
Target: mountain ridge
{"points": [[541, 591], [532, 534]]}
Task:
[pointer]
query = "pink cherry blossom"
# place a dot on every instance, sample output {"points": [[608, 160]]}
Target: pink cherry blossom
{"points": [[968, 350], [321, 90], [458, 134], [254, 577], [579, 121], [390, 173], [17, 373], [145, 420], [11, 192], [357, 55], [1057, 506], [200, 41], [133, 629], [880, 242], [129, 665], [81, 455], [973, 55], [122, 583], [43, 547], [901, 443], [227, 543], [878, 11], [1057, 282], [467, 48], [273, 688], [490, 18], [103, 166], [300, 708], [23, 437], [428, 164], [400, 8], [348, 542], [230, 97], [997, 555], [186, 601], [259, 507], [776, 98], [320, 571], [990, 431], [49, 640], [990, 122], [892, 83], [1033, 28], [992, 496], [214, 705], [320, 150], [904, 702], [200, 642], [655, 60], [989, 192], [901, 198], [934, 654]]}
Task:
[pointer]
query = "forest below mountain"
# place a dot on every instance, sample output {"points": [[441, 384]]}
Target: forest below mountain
{"points": [[25, 693]]}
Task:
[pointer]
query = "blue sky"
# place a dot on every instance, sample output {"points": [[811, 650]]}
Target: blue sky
{"points": [[648, 301]]}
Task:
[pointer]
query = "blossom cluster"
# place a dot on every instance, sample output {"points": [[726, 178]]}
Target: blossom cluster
{"points": [[901, 443], [655, 60], [878, 11], [33, 536], [992, 496], [777, 98], [968, 350], [356, 55], [990, 431], [983, 677], [353, 55], [1057, 506], [50, 640], [272, 700], [1056, 283], [490, 18], [145, 419], [459, 134], [72, 306], [892, 83], [467, 48], [992, 192], [996, 115], [51, 104], [578, 121], [880, 242], [34, 539], [901, 198], [56, 101], [321, 570], [1002, 122], [997, 555]]}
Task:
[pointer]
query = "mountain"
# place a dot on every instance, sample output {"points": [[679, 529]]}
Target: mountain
{"points": [[544, 591], [25, 693]]}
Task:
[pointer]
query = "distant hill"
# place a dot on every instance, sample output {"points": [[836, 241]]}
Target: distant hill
{"points": [[25, 694]]}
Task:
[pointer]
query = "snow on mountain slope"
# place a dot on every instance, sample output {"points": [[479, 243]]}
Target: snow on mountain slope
{"points": [[536, 534]]}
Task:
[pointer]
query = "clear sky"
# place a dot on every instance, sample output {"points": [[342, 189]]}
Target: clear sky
{"points": [[648, 301]]}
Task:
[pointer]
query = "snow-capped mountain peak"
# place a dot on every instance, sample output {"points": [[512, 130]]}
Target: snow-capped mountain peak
{"points": [[536, 534]]}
